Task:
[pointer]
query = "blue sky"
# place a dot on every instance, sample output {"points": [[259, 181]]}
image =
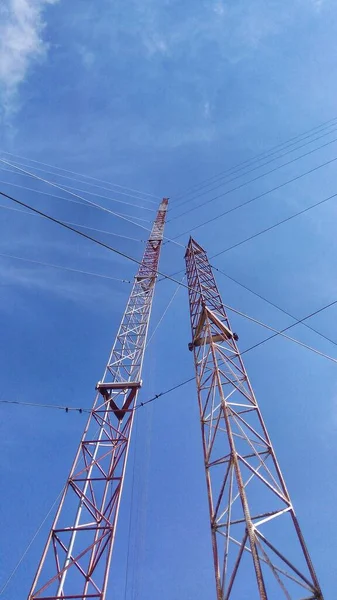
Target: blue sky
{"points": [[159, 96]]}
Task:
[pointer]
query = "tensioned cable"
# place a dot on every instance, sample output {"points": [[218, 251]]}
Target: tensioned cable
{"points": [[238, 206], [255, 235], [280, 332], [35, 534], [88, 410], [69, 187], [46, 264], [242, 174], [7, 582], [71, 200], [64, 189], [86, 183], [55, 406], [182, 383], [255, 179], [166, 310], [259, 156], [89, 202], [133, 476], [67, 410], [103, 245], [285, 312], [261, 232], [30, 214], [80, 175], [256, 167], [131, 511], [298, 322]]}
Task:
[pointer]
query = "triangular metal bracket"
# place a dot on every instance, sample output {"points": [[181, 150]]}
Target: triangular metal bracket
{"points": [[224, 332], [106, 389]]}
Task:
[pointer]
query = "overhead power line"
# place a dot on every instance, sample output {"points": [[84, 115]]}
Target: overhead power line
{"points": [[298, 322], [64, 189], [52, 406], [69, 187], [256, 178], [89, 202], [69, 409], [256, 235], [251, 200], [31, 214], [84, 176], [9, 579], [88, 410], [262, 232], [103, 245], [62, 268], [185, 381], [285, 312], [70, 228], [286, 220], [81, 200], [257, 157], [207, 191]]}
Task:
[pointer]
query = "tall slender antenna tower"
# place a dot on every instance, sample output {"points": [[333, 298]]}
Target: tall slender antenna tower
{"points": [[258, 547], [76, 559]]}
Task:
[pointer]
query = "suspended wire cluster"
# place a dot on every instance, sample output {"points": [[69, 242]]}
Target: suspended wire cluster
{"points": [[14, 164], [17, 173], [84, 191]]}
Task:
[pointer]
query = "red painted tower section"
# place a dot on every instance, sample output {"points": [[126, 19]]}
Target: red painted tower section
{"points": [[258, 547], [76, 560]]}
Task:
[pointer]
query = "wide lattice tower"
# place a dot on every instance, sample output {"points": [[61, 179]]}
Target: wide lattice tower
{"points": [[76, 560], [258, 547]]}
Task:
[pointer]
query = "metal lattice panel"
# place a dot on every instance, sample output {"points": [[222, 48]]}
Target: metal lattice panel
{"points": [[258, 547]]}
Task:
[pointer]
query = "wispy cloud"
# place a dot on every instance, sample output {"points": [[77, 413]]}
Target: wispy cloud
{"points": [[317, 4], [87, 57], [82, 289], [207, 110], [21, 44], [232, 30]]}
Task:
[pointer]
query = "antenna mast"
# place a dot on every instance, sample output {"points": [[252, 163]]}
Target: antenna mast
{"points": [[76, 559], [258, 547]]}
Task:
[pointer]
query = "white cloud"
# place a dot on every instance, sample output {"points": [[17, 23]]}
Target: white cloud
{"points": [[21, 44], [155, 43], [86, 291], [87, 57], [207, 110], [219, 8]]}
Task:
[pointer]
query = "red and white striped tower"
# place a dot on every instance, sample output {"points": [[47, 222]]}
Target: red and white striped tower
{"points": [[76, 560], [258, 547]]}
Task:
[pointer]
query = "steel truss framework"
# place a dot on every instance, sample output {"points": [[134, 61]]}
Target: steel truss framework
{"points": [[258, 547], [76, 559]]}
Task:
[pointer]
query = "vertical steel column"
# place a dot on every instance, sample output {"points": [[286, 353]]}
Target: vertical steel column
{"points": [[258, 547], [76, 559]]}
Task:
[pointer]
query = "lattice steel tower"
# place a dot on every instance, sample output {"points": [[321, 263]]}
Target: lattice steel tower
{"points": [[76, 559], [258, 547]]}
